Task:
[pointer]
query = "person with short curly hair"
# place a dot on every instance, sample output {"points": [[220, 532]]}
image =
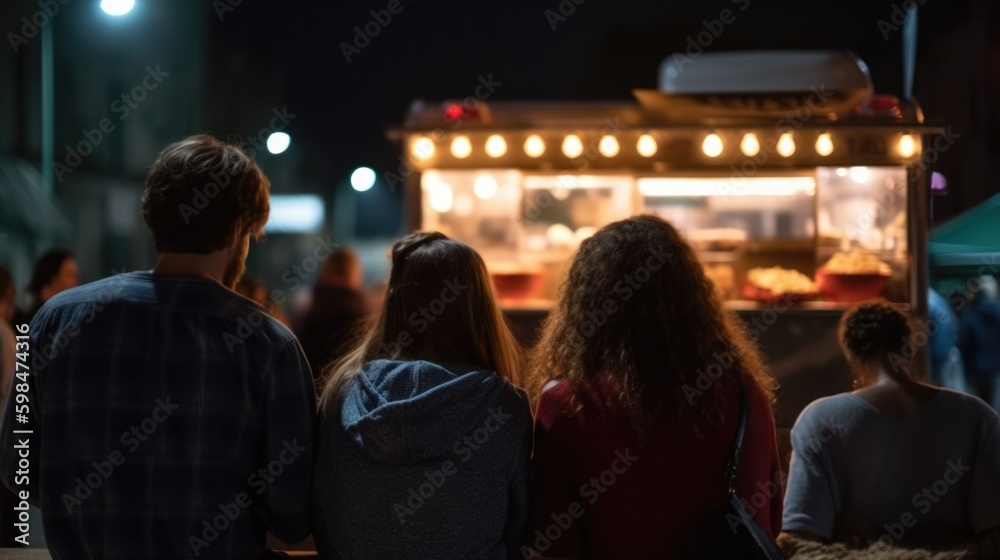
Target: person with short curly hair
{"points": [[896, 459]]}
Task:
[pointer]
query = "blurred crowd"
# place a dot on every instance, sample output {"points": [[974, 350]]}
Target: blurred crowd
{"points": [[964, 332], [325, 320]]}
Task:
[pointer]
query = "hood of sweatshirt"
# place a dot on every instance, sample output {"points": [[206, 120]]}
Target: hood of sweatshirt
{"points": [[405, 412]]}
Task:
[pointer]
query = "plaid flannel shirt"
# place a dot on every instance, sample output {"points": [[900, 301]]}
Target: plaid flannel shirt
{"points": [[170, 418]]}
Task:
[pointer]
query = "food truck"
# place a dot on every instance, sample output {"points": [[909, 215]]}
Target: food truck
{"points": [[801, 189]]}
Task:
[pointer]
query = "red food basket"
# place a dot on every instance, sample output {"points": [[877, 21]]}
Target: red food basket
{"points": [[850, 288]]}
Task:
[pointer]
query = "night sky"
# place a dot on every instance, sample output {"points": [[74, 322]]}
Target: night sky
{"points": [[601, 50]]}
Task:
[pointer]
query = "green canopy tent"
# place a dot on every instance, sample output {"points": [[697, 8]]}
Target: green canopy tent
{"points": [[965, 247]]}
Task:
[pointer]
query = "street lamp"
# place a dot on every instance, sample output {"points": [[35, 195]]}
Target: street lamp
{"points": [[117, 7], [110, 7], [278, 142], [363, 179]]}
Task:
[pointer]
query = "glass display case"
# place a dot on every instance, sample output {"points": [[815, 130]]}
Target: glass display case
{"points": [[821, 237]]}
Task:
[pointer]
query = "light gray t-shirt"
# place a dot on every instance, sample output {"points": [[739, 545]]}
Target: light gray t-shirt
{"points": [[939, 465]]}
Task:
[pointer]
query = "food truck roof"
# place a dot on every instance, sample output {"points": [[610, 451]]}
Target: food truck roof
{"points": [[811, 88], [805, 109]]}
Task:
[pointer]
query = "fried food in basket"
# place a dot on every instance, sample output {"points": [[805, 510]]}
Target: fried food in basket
{"points": [[777, 281], [856, 262]]}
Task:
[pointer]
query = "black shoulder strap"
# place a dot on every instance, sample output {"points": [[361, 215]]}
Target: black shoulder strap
{"points": [[741, 428]]}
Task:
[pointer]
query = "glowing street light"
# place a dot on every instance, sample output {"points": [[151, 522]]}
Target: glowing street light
{"points": [[278, 142], [363, 179], [117, 7]]}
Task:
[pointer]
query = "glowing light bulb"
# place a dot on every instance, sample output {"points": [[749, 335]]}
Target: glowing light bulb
{"points": [[750, 146], [859, 174], [907, 146], [461, 147], [441, 196], [496, 146], [712, 146], [824, 144], [534, 146], [363, 179], [117, 7], [572, 146], [608, 146], [786, 145], [646, 146], [485, 187], [422, 148], [278, 142]]}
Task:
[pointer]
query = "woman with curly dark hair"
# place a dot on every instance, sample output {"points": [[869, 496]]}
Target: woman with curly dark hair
{"points": [[897, 459], [642, 369]]}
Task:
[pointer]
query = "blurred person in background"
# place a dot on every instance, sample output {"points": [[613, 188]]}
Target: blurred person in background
{"points": [[863, 459], [629, 426], [255, 290], [428, 398], [339, 307], [55, 271], [979, 341], [946, 358], [169, 388]]}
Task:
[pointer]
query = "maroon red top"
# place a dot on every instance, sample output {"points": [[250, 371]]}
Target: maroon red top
{"points": [[597, 493]]}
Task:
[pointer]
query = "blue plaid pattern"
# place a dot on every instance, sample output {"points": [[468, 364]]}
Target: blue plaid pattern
{"points": [[171, 418]]}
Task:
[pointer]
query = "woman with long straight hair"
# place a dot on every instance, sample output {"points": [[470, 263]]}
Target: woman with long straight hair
{"points": [[643, 371], [424, 436]]}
